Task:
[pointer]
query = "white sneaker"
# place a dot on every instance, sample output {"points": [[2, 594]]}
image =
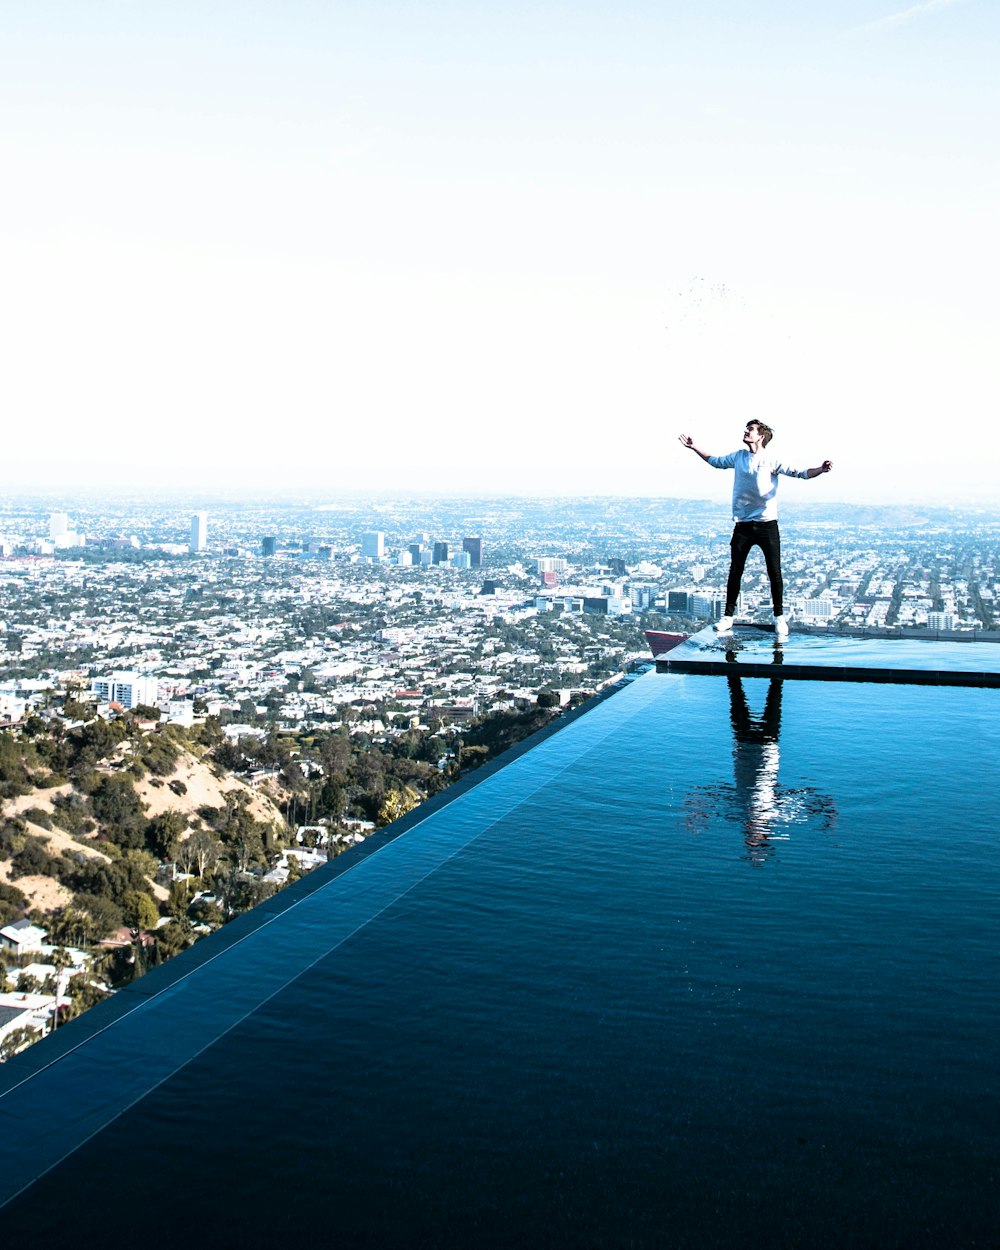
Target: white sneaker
{"points": [[781, 626], [724, 624]]}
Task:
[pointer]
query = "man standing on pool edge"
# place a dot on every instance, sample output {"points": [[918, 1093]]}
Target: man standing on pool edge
{"points": [[755, 511]]}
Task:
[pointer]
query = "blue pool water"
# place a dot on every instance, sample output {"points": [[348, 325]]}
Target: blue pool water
{"points": [[713, 965]]}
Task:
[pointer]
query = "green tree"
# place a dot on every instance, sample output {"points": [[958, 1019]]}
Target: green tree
{"points": [[99, 738], [332, 799], [12, 903], [117, 806], [239, 891], [69, 925], [84, 993], [139, 910], [16, 1041], [205, 911], [200, 852], [14, 776], [33, 860], [164, 832], [174, 937], [102, 916], [397, 803], [179, 898], [159, 752]]}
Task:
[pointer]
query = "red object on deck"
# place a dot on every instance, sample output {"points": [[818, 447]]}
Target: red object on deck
{"points": [[660, 642]]}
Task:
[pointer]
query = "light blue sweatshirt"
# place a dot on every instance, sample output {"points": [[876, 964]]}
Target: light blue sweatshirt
{"points": [[755, 483]]}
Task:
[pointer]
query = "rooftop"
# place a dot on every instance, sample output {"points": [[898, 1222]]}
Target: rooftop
{"points": [[711, 964]]}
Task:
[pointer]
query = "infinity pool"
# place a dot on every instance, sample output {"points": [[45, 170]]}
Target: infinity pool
{"points": [[715, 964]]}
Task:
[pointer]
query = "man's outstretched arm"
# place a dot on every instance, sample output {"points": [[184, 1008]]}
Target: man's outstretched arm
{"points": [[687, 441], [825, 467]]}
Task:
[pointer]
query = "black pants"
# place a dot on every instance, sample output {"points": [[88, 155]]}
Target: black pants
{"points": [[762, 534]]}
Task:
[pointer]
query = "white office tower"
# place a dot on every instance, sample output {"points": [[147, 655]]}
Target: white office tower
{"points": [[128, 689], [199, 531], [373, 545], [60, 535], [461, 560], [404, 558]]}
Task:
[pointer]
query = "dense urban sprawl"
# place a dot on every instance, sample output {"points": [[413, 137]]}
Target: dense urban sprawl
{"points": [[415, 604]]}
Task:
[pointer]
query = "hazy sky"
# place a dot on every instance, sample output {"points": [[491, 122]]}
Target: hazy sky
{"points": [[499, 247]]}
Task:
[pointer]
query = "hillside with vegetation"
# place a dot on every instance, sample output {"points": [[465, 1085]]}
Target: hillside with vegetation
{"points": [[93, 810], [129, 839]]}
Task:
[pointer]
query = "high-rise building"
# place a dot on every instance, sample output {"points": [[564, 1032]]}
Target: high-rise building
{"points": [[199, 532], [268, 545], [440, 553], [128, 689], [708, 606], [60, 534], [474, 546], [373, 545]]}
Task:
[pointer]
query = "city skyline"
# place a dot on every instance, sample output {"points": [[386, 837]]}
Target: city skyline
{"points": [[463, 250]]}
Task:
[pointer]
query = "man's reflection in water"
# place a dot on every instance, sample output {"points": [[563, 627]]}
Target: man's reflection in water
{"points": [[765, 808]]}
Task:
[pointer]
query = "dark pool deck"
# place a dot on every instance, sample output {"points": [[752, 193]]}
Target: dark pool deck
{"points": [[714, 964], [816, 656]]}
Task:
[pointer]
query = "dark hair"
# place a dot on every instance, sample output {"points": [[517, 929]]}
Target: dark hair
{"points": [[765, 431]]}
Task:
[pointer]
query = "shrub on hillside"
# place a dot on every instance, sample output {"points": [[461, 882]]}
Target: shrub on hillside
{"points": [[38, 816], [12, 903], [33, 860], [120, 811]]}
